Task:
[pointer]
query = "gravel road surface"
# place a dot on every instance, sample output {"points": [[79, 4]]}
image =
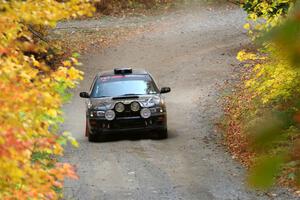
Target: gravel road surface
{"points": [[191, 51]]}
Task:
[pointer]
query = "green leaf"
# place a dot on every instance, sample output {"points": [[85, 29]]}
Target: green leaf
{"points": [[263, 174], [75, 55]]}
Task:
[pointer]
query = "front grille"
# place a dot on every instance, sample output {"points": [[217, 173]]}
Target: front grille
{"points": [[126, 123], [121, 124]]}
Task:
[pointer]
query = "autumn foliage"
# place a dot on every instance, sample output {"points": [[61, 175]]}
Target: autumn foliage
{"points": [[33, 88], [115, 6], [262, 114]]}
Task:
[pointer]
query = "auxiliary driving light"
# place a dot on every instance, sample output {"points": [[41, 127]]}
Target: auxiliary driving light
{"points": [[110, 115], [119, 107], [135, 106], [145, 113]]}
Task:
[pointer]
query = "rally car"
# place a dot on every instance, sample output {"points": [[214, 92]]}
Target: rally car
{"points": [[125, 100]]}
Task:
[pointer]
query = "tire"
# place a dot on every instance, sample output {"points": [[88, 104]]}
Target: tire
{"points": [[91, 138], [162, 134], [87, 132]]}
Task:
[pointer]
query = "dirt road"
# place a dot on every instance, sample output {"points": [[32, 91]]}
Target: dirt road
{"points": [[190, 52]]}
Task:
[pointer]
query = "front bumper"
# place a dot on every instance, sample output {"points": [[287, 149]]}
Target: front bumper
{"points": [[127, 124]]}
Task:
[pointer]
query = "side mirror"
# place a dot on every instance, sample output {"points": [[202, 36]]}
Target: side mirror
{"points": [[84, 95], [165, 90]]}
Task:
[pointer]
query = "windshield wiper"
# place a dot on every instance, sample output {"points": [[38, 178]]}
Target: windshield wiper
{"points": [[101, 96]]}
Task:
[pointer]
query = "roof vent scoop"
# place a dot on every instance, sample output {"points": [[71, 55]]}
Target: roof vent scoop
{"points": [[123, 71]]}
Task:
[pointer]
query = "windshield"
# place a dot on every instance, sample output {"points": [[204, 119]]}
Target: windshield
{"points": [[114, 86]]}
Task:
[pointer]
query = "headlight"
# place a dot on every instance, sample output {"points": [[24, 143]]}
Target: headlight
{"points": [[97, 113], [145, 113], [119, 107], [135, 106], [155, 100], [100, 113], [157, 110], [110, 115]]}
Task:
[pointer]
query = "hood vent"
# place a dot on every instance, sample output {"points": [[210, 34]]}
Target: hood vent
{"points": [[125, 97]]}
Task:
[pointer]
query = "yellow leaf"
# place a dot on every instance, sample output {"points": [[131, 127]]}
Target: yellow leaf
{"points": [[247, 26], [67, 63]]}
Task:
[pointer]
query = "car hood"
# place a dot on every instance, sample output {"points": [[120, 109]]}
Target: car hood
{"points": [[108, 103]]}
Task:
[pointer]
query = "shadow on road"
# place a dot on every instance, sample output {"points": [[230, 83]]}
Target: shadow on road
{"points": [[133, 137]]}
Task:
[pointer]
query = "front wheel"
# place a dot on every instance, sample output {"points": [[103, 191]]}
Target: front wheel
{"points": [[161, 134], [91, 137]]}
